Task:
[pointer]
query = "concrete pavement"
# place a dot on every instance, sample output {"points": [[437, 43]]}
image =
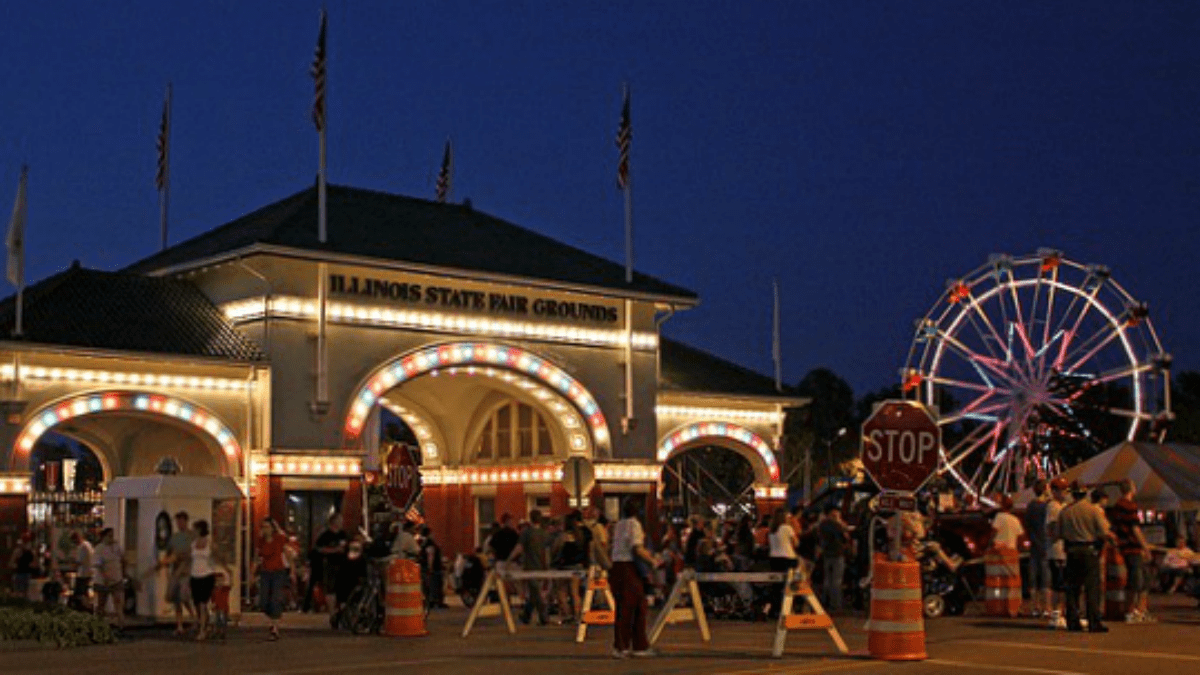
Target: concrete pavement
{"points": [[961, 645]]}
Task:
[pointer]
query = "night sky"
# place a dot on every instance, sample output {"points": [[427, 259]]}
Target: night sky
{"points": [[861, 152]]}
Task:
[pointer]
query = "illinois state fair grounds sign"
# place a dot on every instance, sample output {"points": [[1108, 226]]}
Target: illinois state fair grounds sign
{"points": [[448, 297]]}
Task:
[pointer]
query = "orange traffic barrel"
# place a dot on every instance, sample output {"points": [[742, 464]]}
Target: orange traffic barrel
{"points": [[405, 614], [1002, 583], [896, 629], [1115, 580]]}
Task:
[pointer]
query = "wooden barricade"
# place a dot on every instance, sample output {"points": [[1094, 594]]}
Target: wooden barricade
{"points": [[495, 582], [795, 585], [589, 615]]}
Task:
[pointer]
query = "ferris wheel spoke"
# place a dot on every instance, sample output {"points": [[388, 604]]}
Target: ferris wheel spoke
{"points": [[1053, 287], [1074, 331], [997, 368], [977, 314], [974, 440], [982, 414], [1101, 342], [949, 382]]}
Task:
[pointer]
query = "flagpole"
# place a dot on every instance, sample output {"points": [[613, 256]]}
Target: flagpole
{"points": [[164, 197], [624, 142], [16, 249], [320, 111], [776, 347]]}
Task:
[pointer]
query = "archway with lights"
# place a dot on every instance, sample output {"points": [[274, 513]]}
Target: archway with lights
{"points": [[113, 422], [726, 438], [576, 410]]}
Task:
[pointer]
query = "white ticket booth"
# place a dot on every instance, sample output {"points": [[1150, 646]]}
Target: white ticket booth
{"points": [[141, 510]]}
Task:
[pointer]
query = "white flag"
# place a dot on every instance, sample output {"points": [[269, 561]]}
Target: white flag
{"points": [[16, 236]]}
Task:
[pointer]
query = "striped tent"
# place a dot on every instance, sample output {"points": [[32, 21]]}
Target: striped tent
{"points": [[1167, 475]]}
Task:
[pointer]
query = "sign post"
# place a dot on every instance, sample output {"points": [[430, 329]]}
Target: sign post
{"points": [[578, 477], [901, 444]]}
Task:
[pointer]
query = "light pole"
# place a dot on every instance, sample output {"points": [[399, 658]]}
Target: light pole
{"points": [[829, 455]]}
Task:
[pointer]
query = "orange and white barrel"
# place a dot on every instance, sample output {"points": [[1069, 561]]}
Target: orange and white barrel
{"points": [[1115, 580], [896, 629], [405, 608], [1002, 583]]}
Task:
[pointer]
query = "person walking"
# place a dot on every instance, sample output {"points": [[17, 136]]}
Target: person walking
{"points": [[1056, 552], [179, 564], [629, 591], [433, 570], [1123, 516], [1083, 529], [84, 565], [21, 562], [203, 576], [331, 544], [533, 551], [1038, 578], [272, 573], [833, 536], [110, 576], [782, 543]]}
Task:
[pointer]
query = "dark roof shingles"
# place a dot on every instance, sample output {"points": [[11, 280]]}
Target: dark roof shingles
{"points": [[686, 368], [126, 312]]}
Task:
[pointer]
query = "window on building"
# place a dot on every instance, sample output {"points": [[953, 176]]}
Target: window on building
{"points": [[515, 431], [539, 502], [485, 515]]}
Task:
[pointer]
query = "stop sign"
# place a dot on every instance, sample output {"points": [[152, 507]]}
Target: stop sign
{"points": [[900, 444], [402, 476]]}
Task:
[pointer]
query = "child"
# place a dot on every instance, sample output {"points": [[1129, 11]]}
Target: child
{"points": [[220, 604]]}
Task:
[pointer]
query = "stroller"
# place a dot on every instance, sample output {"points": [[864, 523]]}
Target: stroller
{"points": [[725, 600], [469, 573]]}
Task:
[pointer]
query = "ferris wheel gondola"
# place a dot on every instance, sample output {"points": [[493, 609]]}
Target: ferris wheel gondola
{"points": [[1036, 363]]}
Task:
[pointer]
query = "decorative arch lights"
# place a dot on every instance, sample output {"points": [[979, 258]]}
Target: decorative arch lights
{"points": [[8, 373], [294, 307], [118, 401], [742, 435], [464, 354], [423, 432]]}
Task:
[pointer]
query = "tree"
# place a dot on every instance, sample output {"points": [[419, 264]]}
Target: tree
{"points": [[1185, 403], [826, 427]]}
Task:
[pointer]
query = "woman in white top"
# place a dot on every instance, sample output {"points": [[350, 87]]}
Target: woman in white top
{"points": [[204, 575], [782, 542], [629, 545]]}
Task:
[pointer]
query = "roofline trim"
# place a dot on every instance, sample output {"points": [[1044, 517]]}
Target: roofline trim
{"points": [[678, 301], [785, 401], [45, 347]]}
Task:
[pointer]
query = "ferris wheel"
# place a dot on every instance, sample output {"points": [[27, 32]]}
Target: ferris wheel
{"points": [[1036, 363]]}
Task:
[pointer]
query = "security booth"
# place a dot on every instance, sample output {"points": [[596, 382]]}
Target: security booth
{"points": [[141, 511]]}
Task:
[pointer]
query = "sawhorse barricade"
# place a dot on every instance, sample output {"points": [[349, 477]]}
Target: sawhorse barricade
{"points": [[795, 584], [589, 615], [495, 582]]}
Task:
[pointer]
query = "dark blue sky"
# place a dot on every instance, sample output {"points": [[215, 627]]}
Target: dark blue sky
{"points": [[863, 152]]}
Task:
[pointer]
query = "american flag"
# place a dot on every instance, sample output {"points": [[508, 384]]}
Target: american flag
{"points": [[443, 181], [318, 75], [414, 515], [163, 143], [624, 136]]}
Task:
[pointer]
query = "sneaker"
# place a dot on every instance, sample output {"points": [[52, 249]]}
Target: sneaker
{"points": [[1058, 622], [1146, 618], [643, 653], [619, 654], [1134, 617]]}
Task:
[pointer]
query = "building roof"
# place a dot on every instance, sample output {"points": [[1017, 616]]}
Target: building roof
{"points": [[406, 229], [127, 312], [686, 368]]}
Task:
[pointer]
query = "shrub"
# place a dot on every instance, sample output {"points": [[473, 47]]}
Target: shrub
{"points": [[51, 625]]}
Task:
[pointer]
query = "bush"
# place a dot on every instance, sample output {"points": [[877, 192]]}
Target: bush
{"points": [[51, 625]]}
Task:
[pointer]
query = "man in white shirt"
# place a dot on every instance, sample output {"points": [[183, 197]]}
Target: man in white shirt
{"points": [[84, 562], [1057, 552]]}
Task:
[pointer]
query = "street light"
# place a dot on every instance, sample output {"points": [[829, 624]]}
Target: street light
{"points": [[829, 454]]}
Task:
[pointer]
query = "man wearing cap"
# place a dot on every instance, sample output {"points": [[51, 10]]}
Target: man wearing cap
{"points": [[1083, 529], [1056, 554]]}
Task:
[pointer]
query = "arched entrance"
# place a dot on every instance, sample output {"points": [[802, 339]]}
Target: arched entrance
{"points": [[130, 431], [716, 467]]}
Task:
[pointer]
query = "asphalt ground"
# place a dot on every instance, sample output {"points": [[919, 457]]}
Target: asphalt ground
{"points": [[965, 645]]}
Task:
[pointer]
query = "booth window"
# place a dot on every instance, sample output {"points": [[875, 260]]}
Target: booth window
{"points": [[485, 515], [308, 511]]}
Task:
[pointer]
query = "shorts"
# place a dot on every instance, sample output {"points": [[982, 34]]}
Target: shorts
{"points": [[1039, 572], [1058, 575], [202, 588], [179, 590], [1135, 568], [82, 586]]}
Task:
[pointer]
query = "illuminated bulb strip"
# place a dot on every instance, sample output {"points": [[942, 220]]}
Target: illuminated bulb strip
{"points": [[770, 492], [89, 376], [113, 401], [311, 465], [719, 413], [14, 485], [429, 449], [294, 307], [640, 473], [494, 476], [723, 430], [464, 354]]}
